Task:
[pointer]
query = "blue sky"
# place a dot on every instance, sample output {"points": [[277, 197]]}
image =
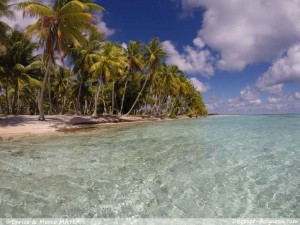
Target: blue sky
{"points": [[235, 52], [243, 56], [143, 20]]}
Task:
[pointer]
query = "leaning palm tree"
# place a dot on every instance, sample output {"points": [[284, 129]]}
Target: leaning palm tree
{"points": [[105, 64], [58, 28], [134, 55], [154, 54], [80, 60], [183, 90], [173, 83], [168, 85]]}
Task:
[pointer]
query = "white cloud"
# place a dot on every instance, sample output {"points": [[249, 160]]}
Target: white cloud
{"points": [[102, 26], [255, 102], [124, 45], [248, 101], [174, 57], [297, 95], [192, 60], [199, 86], [284, 103], [273, 100], [283, 70], [274, 89], [248, 94], [198, 42], [19, 22], [281, 104], [215, 104], [246, 32]]}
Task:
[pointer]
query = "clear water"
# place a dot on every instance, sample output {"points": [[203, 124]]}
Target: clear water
{"points": [[236, 166]]}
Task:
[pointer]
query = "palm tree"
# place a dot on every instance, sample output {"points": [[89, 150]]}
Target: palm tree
{"points": [[61, 85], [134, 55], [81, 61], [84, 89], [58, 28], [108, 62], [195, 105], [154, 54], [17, 62], [168, 85], [183, 90]]}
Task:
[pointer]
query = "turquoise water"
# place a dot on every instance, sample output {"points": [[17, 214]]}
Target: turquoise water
{"points": [[234, 166]]}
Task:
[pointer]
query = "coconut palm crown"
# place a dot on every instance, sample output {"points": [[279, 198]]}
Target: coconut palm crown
{"points": [[58, 28]]}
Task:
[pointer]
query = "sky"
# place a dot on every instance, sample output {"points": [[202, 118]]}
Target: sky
{"points": [[242, 55]]}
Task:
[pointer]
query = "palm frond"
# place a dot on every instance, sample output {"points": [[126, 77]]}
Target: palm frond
{"points": [[95, 67], [94, 57], [35, 8], [31, 81], [34, 65], [95, 33], [73, 7], [2, 71], [4, 29], [35, 30], [66, 39], [18, 67], [7, 13], [70, 34], [80, 20], [94, 7], [5, 9]]}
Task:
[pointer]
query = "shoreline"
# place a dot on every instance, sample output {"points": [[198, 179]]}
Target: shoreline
{"points": [[26, 125]]}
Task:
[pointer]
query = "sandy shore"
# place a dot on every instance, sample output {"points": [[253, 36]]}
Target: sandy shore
{"points": [[23, 125]]}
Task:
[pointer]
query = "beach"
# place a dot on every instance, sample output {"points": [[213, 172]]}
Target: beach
{"points": [[24, 125]]}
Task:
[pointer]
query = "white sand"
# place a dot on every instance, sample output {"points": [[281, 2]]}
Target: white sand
{"points": [[12, 126], [16, 126]]}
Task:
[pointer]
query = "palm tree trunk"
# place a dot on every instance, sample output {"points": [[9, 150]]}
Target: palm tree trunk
{"points": [[173, 106], [158, 111], [37, 96], [6, 95], [15, 98], [137, 98], [85, 111], [63, 106], [49, 95], [103, 100], [117, 109], [78, 105], [18, 101], [123, 97], [154, 105], [113, 98], [95, 114], [64, 99], [90, 106], [41, 97]]}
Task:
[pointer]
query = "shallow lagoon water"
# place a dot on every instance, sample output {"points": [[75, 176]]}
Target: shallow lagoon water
{"points": [[235, 166]]}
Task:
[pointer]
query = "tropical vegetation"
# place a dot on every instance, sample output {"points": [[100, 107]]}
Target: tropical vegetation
{"points": [[63, 64]]}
